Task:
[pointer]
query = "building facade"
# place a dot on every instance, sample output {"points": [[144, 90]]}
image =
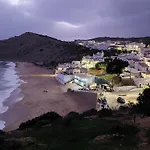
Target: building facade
{"points": [[64, 78], [85, 80]]}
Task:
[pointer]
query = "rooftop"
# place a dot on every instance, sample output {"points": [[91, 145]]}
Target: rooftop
{"points": [[83, 75], [143, 65]]}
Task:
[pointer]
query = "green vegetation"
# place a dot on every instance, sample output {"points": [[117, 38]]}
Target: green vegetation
{"points": [[108, 77], [100, 65], [127, 82], [148, 135], [96, 72], [144, 102], [116, 66], [75, 131]]}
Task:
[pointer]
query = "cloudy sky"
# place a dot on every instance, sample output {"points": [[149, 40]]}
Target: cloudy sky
{"points": [[73, 19]]}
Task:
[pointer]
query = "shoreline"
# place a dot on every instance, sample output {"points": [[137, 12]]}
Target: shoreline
{"points": [[16, 92], [37, 102], [15, 96]]}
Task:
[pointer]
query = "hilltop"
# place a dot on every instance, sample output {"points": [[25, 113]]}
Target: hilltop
{"points": [[31, 47], [145, 40]]}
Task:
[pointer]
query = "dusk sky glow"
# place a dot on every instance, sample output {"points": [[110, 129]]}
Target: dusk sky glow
{"points": [[74, 19]]}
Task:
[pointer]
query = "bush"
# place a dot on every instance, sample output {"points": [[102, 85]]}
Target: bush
{"points": [[105, 113], [48, 118], [148, 135], [12, 144], [144, 102], [67, 120], [2, 132], [89, 113], [124, 129]]}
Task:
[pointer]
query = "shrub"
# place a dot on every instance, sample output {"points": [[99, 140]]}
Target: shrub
{"points": [[144, 102], [105, 113], [49, 117], [67, 120], [2, 132], [148, 135], [124, 129], [89, 113]]}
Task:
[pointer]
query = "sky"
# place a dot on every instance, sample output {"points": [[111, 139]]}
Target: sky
{"points": [[75, 19]]}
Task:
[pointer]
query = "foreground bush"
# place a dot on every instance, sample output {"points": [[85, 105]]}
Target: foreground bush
{"points": [[42, 120], [124, 129], [105, 113], [67, 120], [89, 113]]}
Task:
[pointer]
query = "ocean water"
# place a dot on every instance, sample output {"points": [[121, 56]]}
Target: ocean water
{"points": [[9, 82]]}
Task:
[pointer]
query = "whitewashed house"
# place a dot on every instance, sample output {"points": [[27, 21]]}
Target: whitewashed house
{"points": [[98, 56], [141, 82], [134, 46], [89, 62], [143, 67], [64, 78], [76, 64], [63, 67], [73, 71], [85, 80]]}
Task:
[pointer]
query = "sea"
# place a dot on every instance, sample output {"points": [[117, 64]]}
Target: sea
{"points": [[9, 87]]}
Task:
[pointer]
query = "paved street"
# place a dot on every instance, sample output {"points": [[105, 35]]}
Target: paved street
{"points": [[127, 95]]}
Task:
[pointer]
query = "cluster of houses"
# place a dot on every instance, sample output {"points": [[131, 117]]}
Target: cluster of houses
{"points": [[120, 45], [77, 71], [139, 65]]}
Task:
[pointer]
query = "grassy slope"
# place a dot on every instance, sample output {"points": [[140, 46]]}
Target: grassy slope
{"points": [[79, 134]]}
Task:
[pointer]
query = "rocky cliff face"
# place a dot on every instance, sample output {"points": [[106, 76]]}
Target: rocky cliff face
{"points": [[33, 47]]}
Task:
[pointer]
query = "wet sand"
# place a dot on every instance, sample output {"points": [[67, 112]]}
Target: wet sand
{"points": [[37, 102]]}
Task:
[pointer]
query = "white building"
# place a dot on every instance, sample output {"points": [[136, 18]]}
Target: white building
{"points": [[76, 64], [73, 70], [141, 82], [85, 80], [133, 59], [134, 46], [89, 62], [142, 67], [64, 78], [63, 67], [98, 56], [147, 60], [101, 46]]}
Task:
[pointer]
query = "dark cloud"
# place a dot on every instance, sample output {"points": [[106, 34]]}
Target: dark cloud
{"points": [[70, 19]]}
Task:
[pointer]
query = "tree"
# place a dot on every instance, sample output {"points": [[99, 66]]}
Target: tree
{"points": [[144, 102], [116, 66], [100, 65]]}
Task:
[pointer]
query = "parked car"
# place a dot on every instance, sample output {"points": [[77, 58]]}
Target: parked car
{"points": [[120, 100]]}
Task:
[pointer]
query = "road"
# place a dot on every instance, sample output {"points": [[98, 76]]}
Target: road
{"points": [[127, 95]]}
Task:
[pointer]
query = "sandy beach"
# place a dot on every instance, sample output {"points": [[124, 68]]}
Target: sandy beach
{"points": [[37, 102]]}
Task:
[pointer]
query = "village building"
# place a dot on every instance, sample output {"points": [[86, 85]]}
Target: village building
{"points": [[62, 67], [85, 80], [75, 64], [134, 46], [142, 67], [73, 70], [141, 82], [64, 78]]}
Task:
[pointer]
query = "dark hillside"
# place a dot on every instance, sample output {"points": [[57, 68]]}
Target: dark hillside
{"points": [[75, 132], [33, 47]]}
